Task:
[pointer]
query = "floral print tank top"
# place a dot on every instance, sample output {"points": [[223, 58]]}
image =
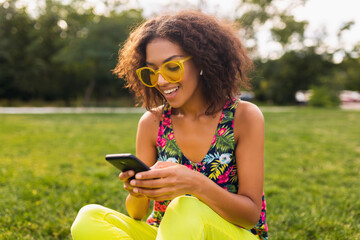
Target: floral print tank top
{"points": [[219, 164]]}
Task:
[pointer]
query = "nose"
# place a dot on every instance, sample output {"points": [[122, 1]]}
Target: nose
{"points": [[161, 80]]}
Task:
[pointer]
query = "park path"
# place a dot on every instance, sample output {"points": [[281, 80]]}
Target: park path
{"points": [[52, 110]]}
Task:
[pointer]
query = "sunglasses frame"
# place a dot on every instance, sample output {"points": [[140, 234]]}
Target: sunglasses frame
{"points": [[159, 71]]}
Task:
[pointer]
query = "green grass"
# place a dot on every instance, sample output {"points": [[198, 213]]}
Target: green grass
{"points": [[51, 165]]}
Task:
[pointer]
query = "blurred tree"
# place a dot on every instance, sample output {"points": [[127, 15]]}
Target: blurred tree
{"points": [[349, 68], [253, 15], [15, 61], [66, 51], [46, 78], [278, 80], [91, 54]]}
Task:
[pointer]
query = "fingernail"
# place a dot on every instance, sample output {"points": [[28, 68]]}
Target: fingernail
{"points": [[132, 182], [138, 176], [136, 190]]}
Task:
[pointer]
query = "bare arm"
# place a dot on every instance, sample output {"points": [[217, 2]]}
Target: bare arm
{"points": [[137, 205], [242, 208]]}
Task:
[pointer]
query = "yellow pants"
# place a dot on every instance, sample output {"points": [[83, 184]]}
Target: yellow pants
{"points": [[185, 218]]}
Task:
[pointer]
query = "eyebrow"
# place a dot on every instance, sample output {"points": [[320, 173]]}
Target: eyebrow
{"points": [[166, 60]]}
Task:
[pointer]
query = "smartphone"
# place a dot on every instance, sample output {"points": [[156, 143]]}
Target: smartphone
{"points": [[126, 161]]}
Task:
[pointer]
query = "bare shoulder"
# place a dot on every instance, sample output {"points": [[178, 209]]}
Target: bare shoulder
{"points": [[147, 132], [149, 124], [248, 111], [151, 118], [247, 116]]}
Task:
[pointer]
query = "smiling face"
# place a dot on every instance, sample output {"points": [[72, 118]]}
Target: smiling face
{"points": [[179, 94]]}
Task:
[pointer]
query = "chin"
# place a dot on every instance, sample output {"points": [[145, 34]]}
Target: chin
{"points": [[175, 103]]}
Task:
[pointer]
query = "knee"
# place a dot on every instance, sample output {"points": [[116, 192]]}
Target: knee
{"points": [[181, 219], [184, 203], [84, 218], [183, 209], [90, 210]]}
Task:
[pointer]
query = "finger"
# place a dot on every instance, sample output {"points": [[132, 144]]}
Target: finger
{"points": [[151, 183], [154, 173], [123, 176], [131, 192], [153, 193], [127, 188]]}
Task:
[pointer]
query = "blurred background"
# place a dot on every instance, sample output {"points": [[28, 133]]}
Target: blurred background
{"points": [[61, 52]]}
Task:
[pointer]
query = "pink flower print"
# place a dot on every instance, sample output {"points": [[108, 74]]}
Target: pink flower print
{"points": [[229, 172], [263, 205], [221, 131], [262, 216], [213, 141], [158, 141], [203, 167], [163, 208], [171, 136], [161, 130], [162, 142], [188, 166], [232, 124], [222, 117], [167, 122], [149, 221], [157, 206], [266, 227], [223, 178]]}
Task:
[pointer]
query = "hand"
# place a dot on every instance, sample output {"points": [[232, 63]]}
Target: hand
{"points": [[165, 181], [124, 177]]}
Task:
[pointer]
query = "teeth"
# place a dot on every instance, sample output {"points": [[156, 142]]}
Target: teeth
{"points": [[170, 90]]}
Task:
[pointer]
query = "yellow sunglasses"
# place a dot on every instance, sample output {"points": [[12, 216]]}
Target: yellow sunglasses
{"points": [[172, 71]]}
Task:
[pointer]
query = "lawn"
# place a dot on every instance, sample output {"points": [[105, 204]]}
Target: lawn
{"points": [[51, 165]]}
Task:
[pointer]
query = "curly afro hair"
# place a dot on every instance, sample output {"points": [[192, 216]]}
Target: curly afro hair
{"points": [[214, 46]]}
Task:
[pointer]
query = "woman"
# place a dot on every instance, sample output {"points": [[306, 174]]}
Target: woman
{"points": [[204, 145]]}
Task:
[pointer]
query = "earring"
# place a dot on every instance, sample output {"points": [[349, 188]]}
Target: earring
{"points": [[201, 72]]}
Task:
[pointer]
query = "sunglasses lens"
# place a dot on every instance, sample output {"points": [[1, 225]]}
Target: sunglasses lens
{"points": [[173, 72], [148, 77]]}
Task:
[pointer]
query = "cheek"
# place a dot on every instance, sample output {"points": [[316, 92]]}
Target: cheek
{"points": [[191, 76], [193, 81]]}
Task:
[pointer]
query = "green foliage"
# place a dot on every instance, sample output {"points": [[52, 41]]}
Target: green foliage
{"points": [[15, 59], [92, 56], [278, 80], [66, 52], [326, 93], [63, 53], [350, 70], [324, 97], [257, 13], [291, 28]]}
